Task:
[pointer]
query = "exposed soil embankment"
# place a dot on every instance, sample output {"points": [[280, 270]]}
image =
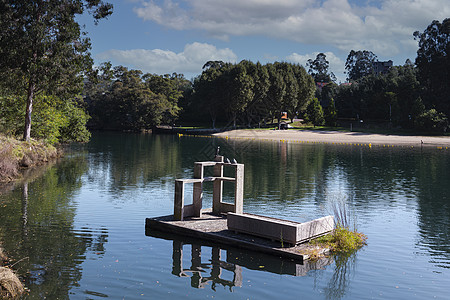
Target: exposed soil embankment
{"points": [[18, 155]]}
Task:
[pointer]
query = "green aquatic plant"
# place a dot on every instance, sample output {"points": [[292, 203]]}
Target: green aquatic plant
{"points": [[344, 238]]}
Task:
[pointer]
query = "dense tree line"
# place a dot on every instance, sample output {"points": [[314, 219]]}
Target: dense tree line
{"points": [[409, 96], [249, 94], [122, 99]]}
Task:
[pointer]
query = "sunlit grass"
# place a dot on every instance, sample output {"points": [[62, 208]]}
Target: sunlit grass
{"points": [[344, 239], [15, 154]]}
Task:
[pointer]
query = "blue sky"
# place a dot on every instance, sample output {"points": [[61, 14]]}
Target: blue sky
{"points": [[166, 36]]}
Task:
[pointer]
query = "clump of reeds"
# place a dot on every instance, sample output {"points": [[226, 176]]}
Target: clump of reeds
{"points": [[344, 238], [10, 285]]}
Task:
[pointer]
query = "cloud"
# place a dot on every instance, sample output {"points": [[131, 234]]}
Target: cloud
{"points": [[384, 27], [158, 61]]}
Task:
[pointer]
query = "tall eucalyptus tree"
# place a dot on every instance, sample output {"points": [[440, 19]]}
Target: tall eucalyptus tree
{"points": [[42, 47]]}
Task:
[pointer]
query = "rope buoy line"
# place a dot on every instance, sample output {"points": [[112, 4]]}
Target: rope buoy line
{"points": [[369, 145]]}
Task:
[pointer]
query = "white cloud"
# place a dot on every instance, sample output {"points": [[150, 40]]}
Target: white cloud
{"points": [[384, 27], [158, 61]]}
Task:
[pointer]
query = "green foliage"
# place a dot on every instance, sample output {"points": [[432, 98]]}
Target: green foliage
{"points": [[331, 114], [407, 96], [342, 240], [74, 129], [12, 110], [393, 97], [359, 64], [432, 120], [128, 100], [56, 120], [318, 68], [251, 93], [433, 64], [314, 113], [43, 50]]}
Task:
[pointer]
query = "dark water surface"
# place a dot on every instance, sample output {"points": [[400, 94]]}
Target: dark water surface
{"points": [[77, 231]]}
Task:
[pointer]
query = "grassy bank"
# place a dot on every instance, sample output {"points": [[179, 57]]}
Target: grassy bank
{"points": [[16, 155]]}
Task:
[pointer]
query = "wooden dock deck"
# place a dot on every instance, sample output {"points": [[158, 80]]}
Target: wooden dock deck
{"points": [[214, 228]]}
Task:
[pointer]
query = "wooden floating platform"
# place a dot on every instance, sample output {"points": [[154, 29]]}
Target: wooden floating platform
{"points": [[214, 228]]}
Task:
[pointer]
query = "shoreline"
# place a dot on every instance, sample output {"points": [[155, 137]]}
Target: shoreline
{"points": [[335, 137], [18, 156]]}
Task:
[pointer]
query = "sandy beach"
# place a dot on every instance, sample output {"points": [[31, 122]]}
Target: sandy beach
{"points": [[337, 137]]}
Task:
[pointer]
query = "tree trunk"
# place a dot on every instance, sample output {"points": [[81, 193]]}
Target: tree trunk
{"points": [[30, 97]]}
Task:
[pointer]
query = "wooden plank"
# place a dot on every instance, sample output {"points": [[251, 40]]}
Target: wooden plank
{"points": [[206, 163], [214, 228], [280, 230], [190, 180]]}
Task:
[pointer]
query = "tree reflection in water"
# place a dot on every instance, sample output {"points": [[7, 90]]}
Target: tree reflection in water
{"points": [[39, 235]]}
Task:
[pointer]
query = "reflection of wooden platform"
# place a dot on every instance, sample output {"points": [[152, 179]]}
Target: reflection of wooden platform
{"points": [[214, 228], [213, 263]]}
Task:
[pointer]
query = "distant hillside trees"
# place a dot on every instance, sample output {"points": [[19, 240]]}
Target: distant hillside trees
{"points": [[122, 99], [390, 97], [410, 96], [433, 64], [251, 94]]}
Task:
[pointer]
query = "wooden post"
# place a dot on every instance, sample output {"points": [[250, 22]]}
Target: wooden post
{"points": [[198, 190], [178, 201], [218, 185], [239, 189]]}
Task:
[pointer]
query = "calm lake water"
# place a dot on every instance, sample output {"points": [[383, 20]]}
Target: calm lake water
{"points": [[77, 229]]}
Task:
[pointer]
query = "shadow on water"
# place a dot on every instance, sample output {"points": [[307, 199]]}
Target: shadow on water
{"points": [[45, 248], [210, 267]]}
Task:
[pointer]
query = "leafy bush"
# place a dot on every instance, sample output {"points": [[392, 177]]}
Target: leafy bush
{"points": [[314, 113], [343, 239], [54, 120], [432, 120], [331, 114]]}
